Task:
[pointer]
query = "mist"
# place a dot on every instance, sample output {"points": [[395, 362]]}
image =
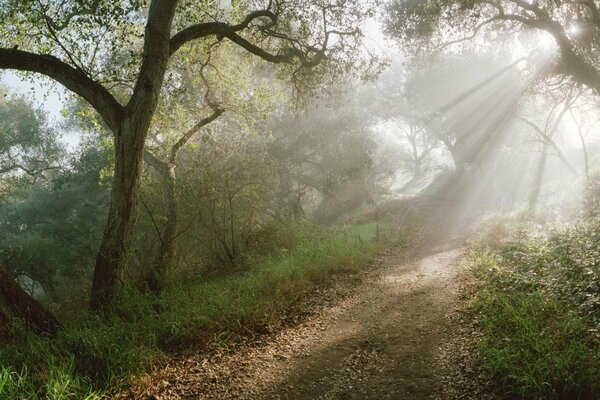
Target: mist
{"points": [[299, 200]]}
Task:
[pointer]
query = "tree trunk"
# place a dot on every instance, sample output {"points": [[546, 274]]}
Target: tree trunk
{"points": [[116, 242], [586, 162], [417, 169], [18, 303], [156, 277], [130, 136], [537, 181], [290, 200]]}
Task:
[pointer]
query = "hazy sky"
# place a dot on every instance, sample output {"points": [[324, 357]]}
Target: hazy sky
{"points": [[48, 99]]}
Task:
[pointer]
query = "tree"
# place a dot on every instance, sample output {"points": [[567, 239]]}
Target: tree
{"points": [[464, 114], [79, 44], [28, 148], [585, 115], [27, 144], [50, 229], [15, 302], [207, 86], [395, 99], [575, 27], [328, 149]]}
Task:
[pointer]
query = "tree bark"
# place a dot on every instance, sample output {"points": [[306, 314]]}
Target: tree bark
{"points": [[129, 149], [113, 253], [156, 277], [18, 303]]}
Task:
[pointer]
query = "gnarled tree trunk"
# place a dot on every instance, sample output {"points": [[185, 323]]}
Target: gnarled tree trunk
{"points": [[113, 253], [129, 149]]}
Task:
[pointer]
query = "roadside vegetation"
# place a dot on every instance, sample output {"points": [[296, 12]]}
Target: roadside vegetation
{"points": [[92, 355], [538, 307]]}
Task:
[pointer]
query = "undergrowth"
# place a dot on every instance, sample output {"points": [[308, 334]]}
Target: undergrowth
{"points": [[539, 311], [91, 356]]}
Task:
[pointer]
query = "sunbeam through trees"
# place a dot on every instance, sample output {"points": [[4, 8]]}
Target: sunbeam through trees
{"points": [[285, 199]]}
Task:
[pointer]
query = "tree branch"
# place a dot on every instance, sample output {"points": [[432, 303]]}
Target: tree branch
{"points": [[151, 159], [549, 141], [28, 171], [72, 78], [186, 136], [223, 30], [219, 29]]}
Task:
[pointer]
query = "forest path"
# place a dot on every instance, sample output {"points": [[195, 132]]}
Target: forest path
{"points": [[383, 342], [377, 338]]}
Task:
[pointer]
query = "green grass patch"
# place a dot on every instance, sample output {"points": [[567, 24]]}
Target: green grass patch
{"points": [[91, 355], [538, 314]]}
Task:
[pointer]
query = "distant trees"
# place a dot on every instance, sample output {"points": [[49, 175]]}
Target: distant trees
{"points": [[455, 25], [50, 229], [93, 48], [463, 114], [398, 103], [27, 144], [29, 152], [545, 131], [329, 151]]}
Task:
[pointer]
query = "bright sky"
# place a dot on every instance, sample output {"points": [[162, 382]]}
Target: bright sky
{"points": [[49, 100]]}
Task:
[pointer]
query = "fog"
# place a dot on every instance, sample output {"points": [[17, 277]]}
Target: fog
{"points": [[189, 175]]}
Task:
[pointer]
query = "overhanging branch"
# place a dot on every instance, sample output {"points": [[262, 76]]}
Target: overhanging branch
{"points": [[223, 30], [192, 131], [72, 78]]}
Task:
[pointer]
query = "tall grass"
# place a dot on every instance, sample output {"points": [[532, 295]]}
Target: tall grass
{"points": [[92, 355], [538, 314]]}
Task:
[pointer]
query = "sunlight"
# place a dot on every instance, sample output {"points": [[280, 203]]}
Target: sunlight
{"points": [[527, 42], [276, 199], [574, 29]]}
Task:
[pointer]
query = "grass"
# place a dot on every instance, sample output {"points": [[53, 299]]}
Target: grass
{"points": [[538, 314], [91, 356]]}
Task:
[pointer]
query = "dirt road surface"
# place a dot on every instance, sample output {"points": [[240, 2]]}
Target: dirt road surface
{"points": [[374, 337]]}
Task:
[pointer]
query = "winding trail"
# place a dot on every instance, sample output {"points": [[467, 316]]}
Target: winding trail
{"points": [[376, 339], [384, 343]]}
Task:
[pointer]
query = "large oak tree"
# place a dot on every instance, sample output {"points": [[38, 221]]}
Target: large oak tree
{"points": [[99, 50]]}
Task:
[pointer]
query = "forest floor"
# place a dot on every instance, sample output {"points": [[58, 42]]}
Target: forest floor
{"points": [[388, 333]]}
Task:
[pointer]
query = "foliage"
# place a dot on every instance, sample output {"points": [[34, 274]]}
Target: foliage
{"points": [[28, 144], [327, 158], [540, 312], [48, 237], [422, 25], [592, 194], [91, 355]]}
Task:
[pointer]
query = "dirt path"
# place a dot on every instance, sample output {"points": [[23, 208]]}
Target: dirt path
{"points": [[383, 344], [379, 342]]}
